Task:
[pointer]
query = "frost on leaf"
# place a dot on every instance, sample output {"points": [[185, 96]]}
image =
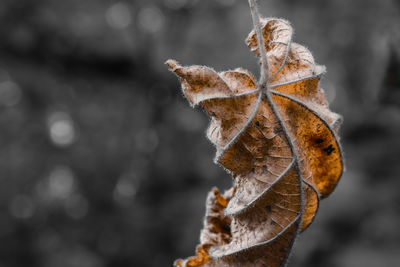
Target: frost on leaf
{"points": [[280, 144]]}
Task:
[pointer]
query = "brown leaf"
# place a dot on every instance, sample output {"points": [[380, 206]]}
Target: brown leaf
{"points": [[216, 230], [279, 144]]}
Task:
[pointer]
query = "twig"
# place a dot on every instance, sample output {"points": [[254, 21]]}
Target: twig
{"points": [[261, 46]]}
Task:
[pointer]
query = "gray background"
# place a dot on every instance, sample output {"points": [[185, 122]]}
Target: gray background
{"points": [[103, 162]]}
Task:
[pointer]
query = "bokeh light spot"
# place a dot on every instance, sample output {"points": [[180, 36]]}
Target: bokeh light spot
{"points": [[61, 128], [150, 19], [119, 16], [61, 182], [10, 93], [125, 189]]}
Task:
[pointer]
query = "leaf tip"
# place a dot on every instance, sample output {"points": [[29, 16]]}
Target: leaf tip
{"points": [[178, 263], [172, 64], [320, 70]]}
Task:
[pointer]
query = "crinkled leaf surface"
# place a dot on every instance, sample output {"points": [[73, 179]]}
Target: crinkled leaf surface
{"points": [[279, 144]]}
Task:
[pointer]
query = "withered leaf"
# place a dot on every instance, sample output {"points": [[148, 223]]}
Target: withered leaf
{"points": [[279, 144]]}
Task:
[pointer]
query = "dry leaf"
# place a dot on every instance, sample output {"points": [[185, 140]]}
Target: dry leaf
{"points": [[279, 144]]}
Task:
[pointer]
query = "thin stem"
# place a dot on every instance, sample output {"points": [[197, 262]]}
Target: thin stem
{"points": [[260, 40]]}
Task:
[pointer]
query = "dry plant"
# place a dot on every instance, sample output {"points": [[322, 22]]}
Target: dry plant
{"points": [[276, 137]]}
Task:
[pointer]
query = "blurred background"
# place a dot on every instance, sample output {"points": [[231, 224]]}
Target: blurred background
{"points": [[103, 163]]}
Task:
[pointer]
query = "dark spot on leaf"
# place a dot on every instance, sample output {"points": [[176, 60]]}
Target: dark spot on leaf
{"points": [[265, 169], [226, 228], [329, 149], [319, 141], [257, 123], [278, 130], [268, 208]]}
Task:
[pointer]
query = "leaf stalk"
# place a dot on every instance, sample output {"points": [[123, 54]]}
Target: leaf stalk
{"points": [[261, 47]]}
